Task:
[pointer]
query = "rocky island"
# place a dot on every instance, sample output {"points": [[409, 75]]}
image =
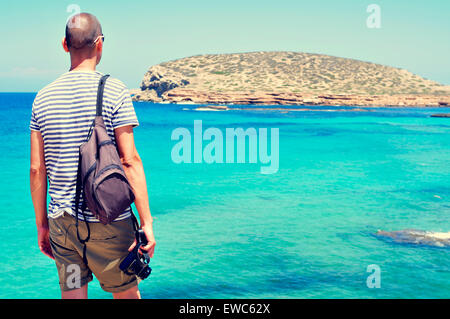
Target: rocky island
{"points": [[287, 78]]}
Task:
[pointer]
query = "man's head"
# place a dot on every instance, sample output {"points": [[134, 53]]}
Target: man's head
{"points": [[84, 38]]}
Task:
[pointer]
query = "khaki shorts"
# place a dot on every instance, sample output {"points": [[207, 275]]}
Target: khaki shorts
{"points": [[107, 247]]}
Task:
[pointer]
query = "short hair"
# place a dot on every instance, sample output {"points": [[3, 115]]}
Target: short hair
{"points": [[81, 31]]}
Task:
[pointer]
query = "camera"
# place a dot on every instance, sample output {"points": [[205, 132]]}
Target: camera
{"points": [[136, 263]]}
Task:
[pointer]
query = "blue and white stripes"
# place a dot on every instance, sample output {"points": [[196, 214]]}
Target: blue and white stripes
{"points": [[63, 112]]}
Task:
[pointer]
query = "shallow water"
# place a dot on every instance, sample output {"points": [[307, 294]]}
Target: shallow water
{"points": [[228, 231]]}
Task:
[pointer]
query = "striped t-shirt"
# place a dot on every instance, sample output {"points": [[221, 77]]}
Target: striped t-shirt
{"points": [[63, 112]]}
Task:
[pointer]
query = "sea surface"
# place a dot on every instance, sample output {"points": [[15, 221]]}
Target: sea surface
{"points": [[228, 231]]}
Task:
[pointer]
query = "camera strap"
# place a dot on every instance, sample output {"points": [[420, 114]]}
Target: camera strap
{"points": [[135, 221]]}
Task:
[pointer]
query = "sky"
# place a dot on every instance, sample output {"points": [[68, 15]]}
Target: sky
{"points": [[414, 35]]}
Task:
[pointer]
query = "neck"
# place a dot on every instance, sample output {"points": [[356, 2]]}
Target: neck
{"points": [[83, 65]]}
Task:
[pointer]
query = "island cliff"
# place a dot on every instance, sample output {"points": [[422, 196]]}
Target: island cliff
{"points": [[286, 78]]}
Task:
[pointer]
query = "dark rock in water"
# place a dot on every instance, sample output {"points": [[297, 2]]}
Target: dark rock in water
{"points": [[441, 115], [417, 237]]}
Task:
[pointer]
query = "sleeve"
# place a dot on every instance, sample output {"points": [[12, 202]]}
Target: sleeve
{"points": [[34, 125], [123, 113]]}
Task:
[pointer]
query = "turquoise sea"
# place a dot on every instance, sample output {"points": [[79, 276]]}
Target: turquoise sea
{"points": [[228, 231]]}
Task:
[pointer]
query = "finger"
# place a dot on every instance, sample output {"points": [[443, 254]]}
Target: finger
{"points": [[50, 254], [132, 245], [148, 246], [149, 249], [47, 251], [151, 252]]}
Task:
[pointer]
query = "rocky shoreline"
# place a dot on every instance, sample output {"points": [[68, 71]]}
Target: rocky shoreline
{"points": [[189, 96], [287, 78]]}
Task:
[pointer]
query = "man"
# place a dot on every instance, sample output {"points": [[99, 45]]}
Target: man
{"points": [[61, 116]]}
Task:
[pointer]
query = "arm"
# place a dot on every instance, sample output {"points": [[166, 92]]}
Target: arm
{"points": [[134, 170], [38, 188]]}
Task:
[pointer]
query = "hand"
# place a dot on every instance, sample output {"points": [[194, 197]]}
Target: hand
{"points": [[150, 247], [44, 241]]}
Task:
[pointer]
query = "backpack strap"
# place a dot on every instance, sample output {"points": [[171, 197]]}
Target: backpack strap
{"points": [[99, 104], [101, 87], [78, 193]]}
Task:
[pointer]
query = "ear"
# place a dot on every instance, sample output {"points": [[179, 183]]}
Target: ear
{"points": [[99, 46], [64, 44]]}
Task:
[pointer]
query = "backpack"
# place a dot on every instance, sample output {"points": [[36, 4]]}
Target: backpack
{"points": [[101, 178]]}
